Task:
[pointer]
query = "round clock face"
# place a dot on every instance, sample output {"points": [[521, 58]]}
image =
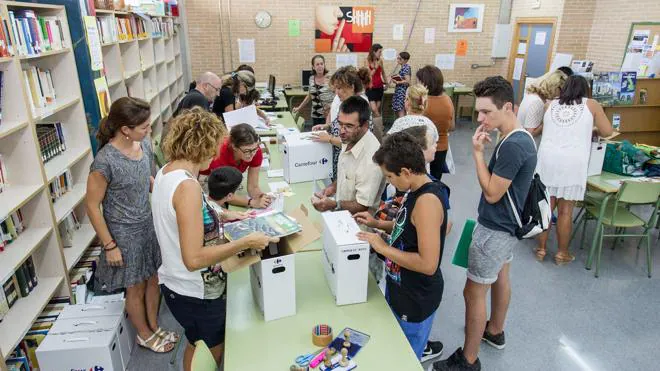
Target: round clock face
{"points": [[263, 19]]}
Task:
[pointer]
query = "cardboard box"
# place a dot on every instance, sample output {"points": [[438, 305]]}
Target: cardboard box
{"points": [[273, 276], [345, 258], [596, 158], [80, 351], [304, 160], [126, 332]]}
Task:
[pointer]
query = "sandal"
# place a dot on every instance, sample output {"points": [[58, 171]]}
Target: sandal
{"points": [[563, 259], [540, 254], [167, 335], [158, 346]]}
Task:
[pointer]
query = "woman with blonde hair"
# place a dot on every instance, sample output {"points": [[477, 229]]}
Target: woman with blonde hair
{"points": [[532, 107], [188, 231], [118, 206], [415, 103]]}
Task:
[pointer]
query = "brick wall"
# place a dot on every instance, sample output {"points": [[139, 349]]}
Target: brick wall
{"points": [[576, 23], [285, 56], [611, 26]]}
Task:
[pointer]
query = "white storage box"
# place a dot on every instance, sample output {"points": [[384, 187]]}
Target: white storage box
{"points": [[596, 158], [94, 351], [345, 258], [304, 160], [273, 277], [126, 332]]}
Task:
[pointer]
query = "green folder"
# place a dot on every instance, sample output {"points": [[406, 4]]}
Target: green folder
{"points": [[461, 254]]}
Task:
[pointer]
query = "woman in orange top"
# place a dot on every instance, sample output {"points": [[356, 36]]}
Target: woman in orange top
{"points": [[440, 109]]}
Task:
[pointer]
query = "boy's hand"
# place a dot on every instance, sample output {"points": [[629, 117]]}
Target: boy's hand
{"points": [[479, 139], [374, 240], [365, 218]]}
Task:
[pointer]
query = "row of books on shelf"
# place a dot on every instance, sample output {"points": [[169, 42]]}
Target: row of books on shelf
{"points": [[2, 96], [27, 34], [131, 28], [60, 185], [82, 275], [19, 284], [107, 27], [68, 228], [40, 87], [51, 140], [10, 228], [162, 27], [24, 358], [4, 180]]}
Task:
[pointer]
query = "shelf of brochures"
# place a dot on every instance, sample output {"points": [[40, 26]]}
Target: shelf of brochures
{"points": [[82, 237], [19, 250], [64, 161], [15, 196], [21, 316], [69, 201]]}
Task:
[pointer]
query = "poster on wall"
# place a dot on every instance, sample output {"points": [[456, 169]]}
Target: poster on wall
{"points": [[343, 29], [466, 17]]}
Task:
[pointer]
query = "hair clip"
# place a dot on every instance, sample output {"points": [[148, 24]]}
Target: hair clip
{"points": [[234, 75]]}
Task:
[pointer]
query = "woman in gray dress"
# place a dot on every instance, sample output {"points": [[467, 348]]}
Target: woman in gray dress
{"points": [[120, 180]]}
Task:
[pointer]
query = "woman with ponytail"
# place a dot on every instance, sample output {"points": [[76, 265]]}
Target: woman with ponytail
{"points": [[238, 91], [120, 180], [415, 104]]}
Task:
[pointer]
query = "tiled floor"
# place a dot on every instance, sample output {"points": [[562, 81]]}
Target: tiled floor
{"points": [[560, 318]]}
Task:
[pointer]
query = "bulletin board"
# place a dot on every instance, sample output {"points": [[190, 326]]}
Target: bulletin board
{"points": [[638, 58]]}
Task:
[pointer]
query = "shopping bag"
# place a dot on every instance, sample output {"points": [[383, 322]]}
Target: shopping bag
{"points": [[461, 254], [449, 161]]}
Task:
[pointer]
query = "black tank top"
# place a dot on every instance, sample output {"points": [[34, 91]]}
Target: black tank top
{"points": [[412, 295]]}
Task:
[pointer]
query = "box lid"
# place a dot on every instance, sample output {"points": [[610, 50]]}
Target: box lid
{"points": [[342, 227], [92, 310], [76, 341], [303, 138], [309, 232], [100, 323]]}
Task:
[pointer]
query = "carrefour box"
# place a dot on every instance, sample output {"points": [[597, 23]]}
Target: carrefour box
{"points": [[345, 258], [273, 273], [304, 160], [97, 350]]}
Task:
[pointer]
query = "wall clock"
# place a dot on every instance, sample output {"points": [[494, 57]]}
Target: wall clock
{"points": [[263, 19]]}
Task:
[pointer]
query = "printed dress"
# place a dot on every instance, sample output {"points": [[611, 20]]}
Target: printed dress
{"points": [[400, 90]]}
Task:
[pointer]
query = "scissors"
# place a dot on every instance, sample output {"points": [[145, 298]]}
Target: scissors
{"points": [[303, 360]]}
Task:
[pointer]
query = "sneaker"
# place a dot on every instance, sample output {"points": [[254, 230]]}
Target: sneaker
{"points": [[433, 350], [554, 219], [497, 341], [456, 362]]}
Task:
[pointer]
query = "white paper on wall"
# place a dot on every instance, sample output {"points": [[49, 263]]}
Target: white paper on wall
{"points": [[397, 32], [445, 61], [389, 54], [346, 59], [517, 69], [246, 52], [429, 35]]}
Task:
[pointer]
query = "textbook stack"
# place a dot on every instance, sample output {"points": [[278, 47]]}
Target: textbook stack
{"points": [[40, 87], [35, 34], [51, 140]]}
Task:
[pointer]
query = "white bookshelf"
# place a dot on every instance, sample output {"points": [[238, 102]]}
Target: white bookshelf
{"points": [[29, 176], [150, 68]]}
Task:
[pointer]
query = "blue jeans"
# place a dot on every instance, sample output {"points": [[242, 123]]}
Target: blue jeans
{"points": [[417, 333]]}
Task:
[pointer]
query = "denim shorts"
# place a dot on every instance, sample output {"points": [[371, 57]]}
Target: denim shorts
{"points": [[201, 319], [488, 253]]}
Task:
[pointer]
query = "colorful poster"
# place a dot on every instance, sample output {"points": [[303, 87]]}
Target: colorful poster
{"points": [[461, 48], [102, 95], [344, 29], [466, 17]]}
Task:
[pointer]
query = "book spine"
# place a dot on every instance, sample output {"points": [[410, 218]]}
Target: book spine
{"points": [[32, 271], [21, 279]]}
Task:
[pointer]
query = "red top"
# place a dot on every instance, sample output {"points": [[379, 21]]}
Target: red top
{"points": [[226, 158], [377, 79]]}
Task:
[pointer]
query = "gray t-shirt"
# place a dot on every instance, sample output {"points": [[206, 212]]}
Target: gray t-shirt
{"points": [[516, 162], [127, 196]]}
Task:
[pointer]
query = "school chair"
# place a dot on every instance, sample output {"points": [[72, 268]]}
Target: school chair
{"points": [[203, 358], [159, 157], [616, 214]]}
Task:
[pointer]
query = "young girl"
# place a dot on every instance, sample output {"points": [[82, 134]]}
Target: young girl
{"points": [[120, 180], [401, 84], [376, 90]]}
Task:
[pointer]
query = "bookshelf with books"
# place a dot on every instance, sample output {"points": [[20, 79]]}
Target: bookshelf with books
{"points": [[45, 154], [145, 62]]}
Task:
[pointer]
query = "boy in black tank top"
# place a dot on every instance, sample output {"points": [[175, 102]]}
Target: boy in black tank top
{"points": [[414, 250]]}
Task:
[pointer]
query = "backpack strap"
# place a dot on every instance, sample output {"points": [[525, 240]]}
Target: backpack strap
{"points": [[508, 194]]}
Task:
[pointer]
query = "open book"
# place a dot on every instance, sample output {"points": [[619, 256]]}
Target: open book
{"points": [[273, 224]]}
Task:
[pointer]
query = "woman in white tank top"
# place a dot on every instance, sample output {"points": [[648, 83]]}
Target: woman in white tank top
{"points": [[563, 156], [188, 231]]}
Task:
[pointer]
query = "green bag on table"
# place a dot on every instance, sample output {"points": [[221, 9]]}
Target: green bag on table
{"points": [[624, 159], [461, 254]]}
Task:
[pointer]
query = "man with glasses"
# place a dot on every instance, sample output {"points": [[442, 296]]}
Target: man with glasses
{"points": [[207, 87], [359, 181]]}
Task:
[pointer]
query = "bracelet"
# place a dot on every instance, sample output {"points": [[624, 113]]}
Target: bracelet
{"points": [[110, 249], [249, 199], [107, 244]]}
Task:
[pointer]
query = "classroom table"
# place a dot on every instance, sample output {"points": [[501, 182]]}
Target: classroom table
{"points": [[281, 105], [286, 120], [602, 181], [252, 344]]}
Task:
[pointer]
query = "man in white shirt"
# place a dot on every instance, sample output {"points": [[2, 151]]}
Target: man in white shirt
{"points": [[359, 180]]}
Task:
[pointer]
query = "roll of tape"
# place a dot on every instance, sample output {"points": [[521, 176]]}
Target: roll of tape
{"points": [[321, 335]]}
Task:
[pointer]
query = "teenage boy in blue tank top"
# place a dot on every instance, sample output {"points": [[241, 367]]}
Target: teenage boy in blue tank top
{"points": [[413, 253], [493, 239]]}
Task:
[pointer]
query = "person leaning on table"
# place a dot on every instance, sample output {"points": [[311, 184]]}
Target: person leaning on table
{"points": [[319, 92], [359, 181], [188, 231]]}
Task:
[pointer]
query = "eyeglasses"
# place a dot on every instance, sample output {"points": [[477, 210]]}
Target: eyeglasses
{"points": [[249, 151], [216, 89]]}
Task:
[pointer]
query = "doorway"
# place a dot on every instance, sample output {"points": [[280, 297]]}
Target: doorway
{"points": [[531, 50]]}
